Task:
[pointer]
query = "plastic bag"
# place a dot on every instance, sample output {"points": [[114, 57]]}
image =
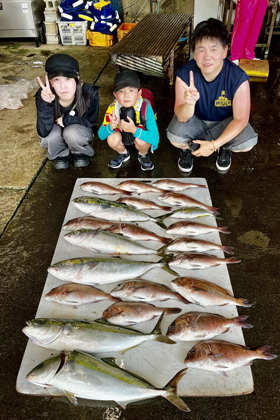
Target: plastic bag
{"points": [[11, 95]]}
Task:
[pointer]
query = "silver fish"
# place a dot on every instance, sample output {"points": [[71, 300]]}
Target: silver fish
{"points": [[172, 185], [199, 261], [75, 294], [100, 188], [110, 210], [141, 204], [138, 187], [186, 213], [220, 356], [194, 326], [144, 290], [190, 229], [87, 222], [176, 199], [136, 233], [205, 293], [130, 313], [80, 375], [91, 337], [185, 244], [106, 243], [102, 270]]}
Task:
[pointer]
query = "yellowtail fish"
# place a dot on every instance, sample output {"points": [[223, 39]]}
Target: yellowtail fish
{"points": [[222, 356], [194, 326], [100, 188], [131, 313], [205, 293], [80, 375], [172, 185], [140, 204]]}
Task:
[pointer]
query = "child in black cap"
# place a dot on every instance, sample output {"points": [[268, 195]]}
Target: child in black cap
{"points": [[125, 125], [67, 112]]}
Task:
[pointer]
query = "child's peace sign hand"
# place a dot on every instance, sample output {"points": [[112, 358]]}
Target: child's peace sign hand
{"points": [[113, 121], [191, 94], [46, 92]]}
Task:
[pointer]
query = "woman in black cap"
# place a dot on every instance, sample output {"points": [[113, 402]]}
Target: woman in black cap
{"points": [[67, 112]]}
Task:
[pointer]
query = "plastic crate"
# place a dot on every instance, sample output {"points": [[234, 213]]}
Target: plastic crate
{"points": [[97, 39], [73, 33], [124, 28]]}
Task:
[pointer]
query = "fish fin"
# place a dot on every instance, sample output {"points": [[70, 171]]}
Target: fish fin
{"points": [[223, 229], [214, 209], [165, 241], [160, 223], [263, 353], [244, 302], [240, 321], [178, 402], [232, 260], [221, 372], [162, 249], [169, 311], [126, 192], [71, 397], [123, 404], [228, 249], [157, 331], [165, 260], [110, 361], [182, 299]]}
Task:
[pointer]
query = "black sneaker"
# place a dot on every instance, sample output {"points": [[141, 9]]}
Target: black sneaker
{"points": [[185, 162], [61, 162], [80, 160], [146, 163], [223, 161], [117, 161]]}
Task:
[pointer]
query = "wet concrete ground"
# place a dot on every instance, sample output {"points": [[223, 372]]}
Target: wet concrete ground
{"points": [[248, 197]]}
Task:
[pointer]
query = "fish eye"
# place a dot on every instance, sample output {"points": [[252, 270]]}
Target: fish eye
{"points": [[41, 322]]}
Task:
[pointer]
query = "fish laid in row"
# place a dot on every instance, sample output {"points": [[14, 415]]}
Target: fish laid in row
{"points": [[103, 270], [172, 185], [206, 293], [141, 204], [75, 294], [145, 290], [110, 210], [194, 326], [100, 188], [138, 187], [187, 213], [81, 375], [131, 313], [107, 243], [190, 229], [221, 356], [128, 230], [185, 244], [176, 199], [199, 261], [91, 337]]}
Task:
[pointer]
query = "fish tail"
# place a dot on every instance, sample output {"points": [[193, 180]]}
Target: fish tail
{"points": [[159, 221], [263, 353], [158, 333], [172, 387], [165, 241], [170, 311], [166, 208], [223, 229], [227, 249], [161, 251], [243, 302], [165, 265], [114, 299], [181, 299], [231, 260], [126, 193], [240, 321]]}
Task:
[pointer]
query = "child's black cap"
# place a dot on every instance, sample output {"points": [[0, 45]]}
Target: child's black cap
{"points": [[62, 65], [126, 78]]}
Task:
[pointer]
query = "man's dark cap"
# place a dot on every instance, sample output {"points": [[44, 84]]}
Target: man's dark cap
{"points": [[62, 65], [126, 78]]}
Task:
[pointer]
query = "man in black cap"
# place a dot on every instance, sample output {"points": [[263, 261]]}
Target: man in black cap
{"points": [[129, 120], [67, 113]]}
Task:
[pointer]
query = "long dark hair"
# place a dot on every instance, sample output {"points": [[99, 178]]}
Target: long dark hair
{"points": [[81, 100]]}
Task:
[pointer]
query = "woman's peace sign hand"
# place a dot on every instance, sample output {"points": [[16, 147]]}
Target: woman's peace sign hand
{"points": [[46, 92], [191, 94]]}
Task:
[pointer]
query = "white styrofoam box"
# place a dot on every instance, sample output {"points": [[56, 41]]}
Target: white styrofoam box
{"points": [[73, 33], [51, 4], [51, 28], [51, 16], [53, 39]]}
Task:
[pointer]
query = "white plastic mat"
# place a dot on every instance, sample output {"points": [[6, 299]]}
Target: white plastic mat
{"points": [[154, 361]]}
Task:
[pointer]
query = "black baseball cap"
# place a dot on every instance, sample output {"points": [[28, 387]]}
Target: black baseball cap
{"points": [[62, 65], [126, 78]]}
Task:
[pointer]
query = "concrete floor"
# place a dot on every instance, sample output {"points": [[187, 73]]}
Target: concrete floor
{"points": [[37, 197]]}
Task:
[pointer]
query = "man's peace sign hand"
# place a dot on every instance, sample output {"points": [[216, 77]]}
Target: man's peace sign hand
{"points": [[191, 94], [46, 92]]}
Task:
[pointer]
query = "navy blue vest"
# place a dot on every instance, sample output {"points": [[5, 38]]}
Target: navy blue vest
{"points": [[215, 102]]}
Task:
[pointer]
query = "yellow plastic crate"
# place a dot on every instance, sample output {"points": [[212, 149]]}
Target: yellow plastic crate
{"points": [[97, 39], [123, 29]]}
